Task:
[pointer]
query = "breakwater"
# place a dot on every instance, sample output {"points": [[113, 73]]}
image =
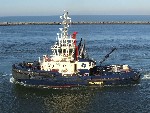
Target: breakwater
{"points": [[73, 23]]}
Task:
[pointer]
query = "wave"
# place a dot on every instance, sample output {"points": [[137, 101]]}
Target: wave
{"points": [[4, 75], [146, 77], [12, 80]]}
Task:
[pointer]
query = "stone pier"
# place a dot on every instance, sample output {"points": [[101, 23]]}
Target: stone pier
{"points": [[73, 23]]}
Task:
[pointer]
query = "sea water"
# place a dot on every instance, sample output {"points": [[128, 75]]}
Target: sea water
{"points": [[27, 43]]}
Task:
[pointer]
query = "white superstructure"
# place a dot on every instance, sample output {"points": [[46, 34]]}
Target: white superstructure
{"points": [[67, 57]]}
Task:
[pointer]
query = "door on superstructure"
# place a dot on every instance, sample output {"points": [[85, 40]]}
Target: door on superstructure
{"points": [[75, 67]]}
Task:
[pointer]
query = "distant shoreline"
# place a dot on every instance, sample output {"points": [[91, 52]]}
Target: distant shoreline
{"points": [[72, 23]]}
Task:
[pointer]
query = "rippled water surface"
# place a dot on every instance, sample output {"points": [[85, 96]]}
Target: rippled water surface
{"points": [[27, 43]]}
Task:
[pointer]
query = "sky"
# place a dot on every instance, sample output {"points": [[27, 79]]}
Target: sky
{"points": [[74, 7]]}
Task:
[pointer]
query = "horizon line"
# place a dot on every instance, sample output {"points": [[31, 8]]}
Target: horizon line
{"points": [[79, 15]]}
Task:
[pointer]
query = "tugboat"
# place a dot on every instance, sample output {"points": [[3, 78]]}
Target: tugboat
{"points": [[70, 66]]}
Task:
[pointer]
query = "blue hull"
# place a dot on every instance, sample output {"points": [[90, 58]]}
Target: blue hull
{"points": [[55, 79], [77, 81]]}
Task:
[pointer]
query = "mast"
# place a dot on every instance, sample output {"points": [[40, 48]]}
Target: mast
{"points": [[66, 21], [65, 46]]}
